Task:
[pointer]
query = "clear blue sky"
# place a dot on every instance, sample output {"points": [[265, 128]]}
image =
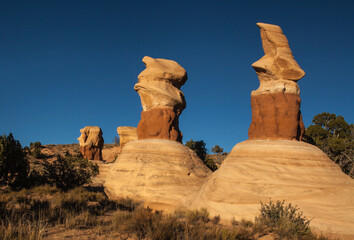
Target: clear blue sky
{"points": [[69, 64]]}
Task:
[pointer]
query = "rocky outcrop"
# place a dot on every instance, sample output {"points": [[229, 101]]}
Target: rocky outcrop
{"points": [[160, 173], [162, 100], [127, 134], [271, 165], [299, 173], [91, 143], [276, 103]]}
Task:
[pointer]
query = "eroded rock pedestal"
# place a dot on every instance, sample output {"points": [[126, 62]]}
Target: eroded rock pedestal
{"points": [[259, 170], [273, 164], [276, 103], [157, 169], [160, 173], [162, 100], [91, 143]]}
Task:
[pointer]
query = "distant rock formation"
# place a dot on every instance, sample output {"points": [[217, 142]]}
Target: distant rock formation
{"points": [[91, 143], [127, 134], [276, 103], [160, 173], [162, 100]]}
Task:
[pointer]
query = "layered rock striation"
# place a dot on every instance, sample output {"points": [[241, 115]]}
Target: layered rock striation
{"points": [[271, 165], [161, 98], [157, 169], [91, 143], [259, 170], [276, 103], [160, 173], [127, 134]]}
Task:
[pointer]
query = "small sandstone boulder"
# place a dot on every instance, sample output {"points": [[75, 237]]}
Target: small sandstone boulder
{"points": [[127, 134], [91, 143]]}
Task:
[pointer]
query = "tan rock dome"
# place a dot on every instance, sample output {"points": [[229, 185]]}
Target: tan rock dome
{"points": [[160, 173]]}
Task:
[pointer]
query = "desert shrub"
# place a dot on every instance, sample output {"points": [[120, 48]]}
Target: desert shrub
{"points": [[217, 149], [14, 166], [116, 140], [210, 164], [334, 136], [36, 150], [198, 147], [198, 215], [286, 220], [69, 172]]}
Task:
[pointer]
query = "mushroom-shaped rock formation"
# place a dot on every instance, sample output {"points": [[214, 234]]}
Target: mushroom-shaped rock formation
{"points": [[91, 143], [276, 103], [273, 166], [157, 169], [162, 100], [127, 134]]}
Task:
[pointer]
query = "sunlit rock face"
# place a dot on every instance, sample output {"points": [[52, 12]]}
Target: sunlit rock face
{"points": [[276, 103], [271, 165], [161, 98], [127, 134], [162, 174], [91, 143], [297, 172]]}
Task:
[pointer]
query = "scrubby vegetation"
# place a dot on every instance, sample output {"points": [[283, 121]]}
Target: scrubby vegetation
{"points": [[43, 211], [199, 148], [65, 172], [51, 201], [70, 171], [333, 135], [14, 166]]}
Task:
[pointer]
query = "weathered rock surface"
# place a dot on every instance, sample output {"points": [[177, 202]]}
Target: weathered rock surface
{"points": [[110, 154], [91, 143], [276, 103], [160, 173], [159, 123], [258, 170], [161, 98], [276, 116], [127, 134]]}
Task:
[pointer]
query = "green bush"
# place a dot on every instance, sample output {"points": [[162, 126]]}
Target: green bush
{"points": [[334, 136], [36, 150], [198, 147], [217, 149], [210, 164], [287, 221], [70, 172], [14, 167]]}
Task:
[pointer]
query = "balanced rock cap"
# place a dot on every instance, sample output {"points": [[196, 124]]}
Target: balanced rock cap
{"points": [[163, 70], [278, 63]]}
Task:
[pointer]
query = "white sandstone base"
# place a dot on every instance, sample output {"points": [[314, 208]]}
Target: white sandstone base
{"points": [[160, 173], [259, 170]]}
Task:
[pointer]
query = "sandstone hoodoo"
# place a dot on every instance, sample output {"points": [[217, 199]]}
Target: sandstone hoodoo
{"points": [[127, 134], [272, 164], [91, 143], [276, 103], [157, 169], [162, 100]]}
